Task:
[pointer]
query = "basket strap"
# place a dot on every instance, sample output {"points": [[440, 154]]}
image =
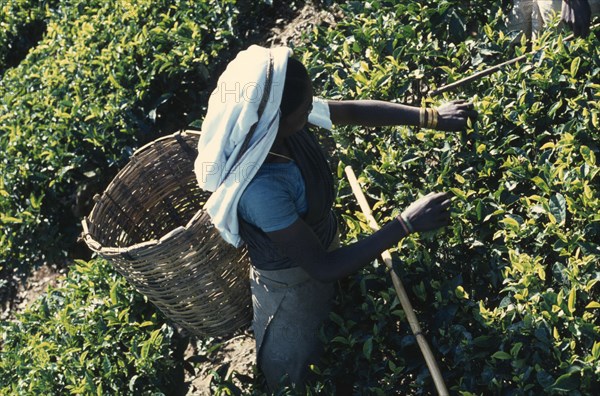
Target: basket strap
{"points": [[261, 108]]}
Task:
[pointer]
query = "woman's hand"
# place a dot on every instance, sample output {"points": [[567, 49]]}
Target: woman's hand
{"points": [[577, 14], [453, 115], [429, 212]]}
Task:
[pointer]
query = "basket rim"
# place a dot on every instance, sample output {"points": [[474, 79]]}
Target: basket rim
{"points": [[160, 139], [96, 246], [110, 250]]}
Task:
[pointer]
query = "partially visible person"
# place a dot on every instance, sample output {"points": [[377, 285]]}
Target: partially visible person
{"points": [[530, 16]]}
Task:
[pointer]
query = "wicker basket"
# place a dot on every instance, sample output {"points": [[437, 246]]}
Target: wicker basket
{"points": [[149, 224]]}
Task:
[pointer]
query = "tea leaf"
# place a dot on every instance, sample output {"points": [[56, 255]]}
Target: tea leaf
{"points": [[588, 155], [368, 348], [571, 301], [555, 108], [575, 66], [596, 350], [566, 382], [511, 223], [501, 355], [558, 208], [548, 145]]}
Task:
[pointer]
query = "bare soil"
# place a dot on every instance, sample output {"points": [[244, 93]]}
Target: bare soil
{"points": [[238, 352], [291, 32], [36, 284]]}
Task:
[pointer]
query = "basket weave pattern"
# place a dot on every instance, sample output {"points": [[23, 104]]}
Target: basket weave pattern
{"points": [[149, 224]]}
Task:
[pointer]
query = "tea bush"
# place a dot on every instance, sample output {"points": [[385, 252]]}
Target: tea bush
{"points": [[105, 77], [22, 24], [398, 49], [92, 335], [508, 293]]}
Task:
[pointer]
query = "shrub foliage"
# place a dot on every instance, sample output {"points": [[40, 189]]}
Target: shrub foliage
{"points": [[22, 25], [93, 335], [105, 77], [507, 294]]}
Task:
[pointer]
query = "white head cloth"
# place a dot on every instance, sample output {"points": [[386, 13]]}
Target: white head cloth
{"points": [[232, 110]]}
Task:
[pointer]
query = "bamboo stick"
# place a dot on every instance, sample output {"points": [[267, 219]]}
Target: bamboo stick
{"points": [[477, 75], [404, 301]]}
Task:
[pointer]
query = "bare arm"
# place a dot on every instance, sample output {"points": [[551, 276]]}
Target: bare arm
{"points": [[371, 113], [300, 243]]}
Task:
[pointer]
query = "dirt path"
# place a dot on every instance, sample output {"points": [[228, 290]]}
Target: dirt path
{"points": [[238, 352], [36, 284]]}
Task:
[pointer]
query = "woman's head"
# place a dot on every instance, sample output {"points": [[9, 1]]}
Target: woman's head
{"points": [[296, 101]]}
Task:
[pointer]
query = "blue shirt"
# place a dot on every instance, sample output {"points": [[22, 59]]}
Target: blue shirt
{"points": [[275, 198]]}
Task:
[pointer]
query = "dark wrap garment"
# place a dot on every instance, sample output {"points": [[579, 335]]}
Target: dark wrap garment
{"points": [[290, 306]]}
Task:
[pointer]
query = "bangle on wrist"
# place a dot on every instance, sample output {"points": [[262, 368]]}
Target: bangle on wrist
{"points": [[407, 223], [428, 118], [422, 117]]}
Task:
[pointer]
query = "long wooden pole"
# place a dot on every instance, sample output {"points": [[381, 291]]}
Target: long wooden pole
{"points": [[406, 305]]}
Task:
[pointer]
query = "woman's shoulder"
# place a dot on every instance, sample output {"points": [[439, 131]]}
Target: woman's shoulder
{"points": [[272, 178], [270, 199]]}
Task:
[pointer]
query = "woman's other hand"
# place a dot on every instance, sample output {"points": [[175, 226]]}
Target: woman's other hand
{"points": [[429, 212], [452, 116]]}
